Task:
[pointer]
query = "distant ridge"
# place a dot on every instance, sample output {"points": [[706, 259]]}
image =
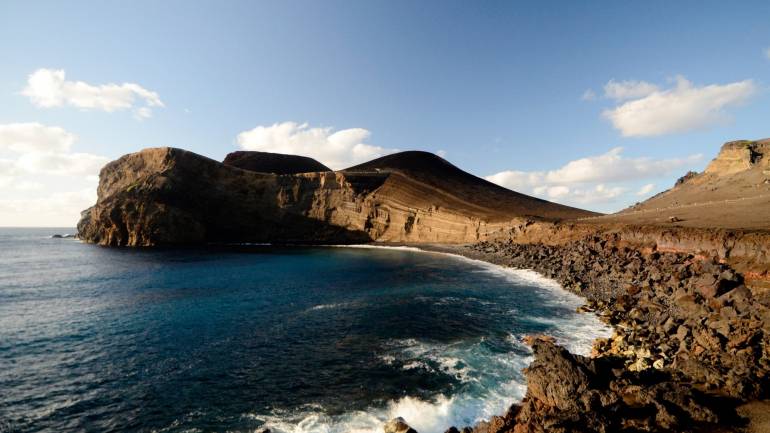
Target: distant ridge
{"points": [[276, 163]]}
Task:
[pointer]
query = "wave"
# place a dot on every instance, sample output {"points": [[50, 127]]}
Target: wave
{"points": [[432, 416], [576, 332], [490, 378], [332, 306]]}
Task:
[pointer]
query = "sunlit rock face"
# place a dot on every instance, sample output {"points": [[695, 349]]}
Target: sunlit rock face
{"points": [[165, 196], [737, 156]]}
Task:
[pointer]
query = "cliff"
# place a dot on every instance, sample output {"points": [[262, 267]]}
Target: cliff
{"points": [[168, 196], [733, 192]]}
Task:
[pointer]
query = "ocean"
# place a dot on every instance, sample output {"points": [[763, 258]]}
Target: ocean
{"points": [[297, 339]]}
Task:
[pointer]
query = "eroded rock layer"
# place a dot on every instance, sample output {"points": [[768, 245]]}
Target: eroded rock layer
{"points": [[168, 196]]}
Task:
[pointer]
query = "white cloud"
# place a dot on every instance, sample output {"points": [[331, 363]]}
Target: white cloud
{"points": [[767, 53], [60, 209], [588, 95], [337, 150], [49, 88], [142, 113], [556, 191], [41, 149], [38, 158], [441, 153], [597, 194], [681, 108], [8, 173], [62, 164], [613, 166], [34, 137], [628, 89], [595, 179], [646, 189]]}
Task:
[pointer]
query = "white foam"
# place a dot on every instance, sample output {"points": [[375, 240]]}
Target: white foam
{"points": [[429, 416], [468, 362], [330, 306], [575, 332], [464, 361]]}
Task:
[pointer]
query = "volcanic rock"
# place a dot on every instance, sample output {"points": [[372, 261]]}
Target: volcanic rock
{"points": [[167, 196], [398, 425]]}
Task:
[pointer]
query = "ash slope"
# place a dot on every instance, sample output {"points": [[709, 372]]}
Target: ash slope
{"points": [[169, 196], [476, 196]]}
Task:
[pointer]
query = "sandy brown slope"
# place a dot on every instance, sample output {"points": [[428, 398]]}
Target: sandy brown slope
{"points": [[438, 181], [732, 193]]}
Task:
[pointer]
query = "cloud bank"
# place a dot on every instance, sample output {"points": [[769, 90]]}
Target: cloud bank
{"points": [[591, 180], [629, 89], [48, 88], [340, 149], [36, 158], [647, 110]]}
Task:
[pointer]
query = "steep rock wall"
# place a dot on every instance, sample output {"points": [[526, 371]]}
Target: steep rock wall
{"points": [[168, 196]]}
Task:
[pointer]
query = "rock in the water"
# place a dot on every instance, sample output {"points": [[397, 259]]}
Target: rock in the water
{"points": [[64, 236], [398, 425]]}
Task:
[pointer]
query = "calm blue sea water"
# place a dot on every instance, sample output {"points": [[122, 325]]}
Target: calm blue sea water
{"points": [[232, 339]]}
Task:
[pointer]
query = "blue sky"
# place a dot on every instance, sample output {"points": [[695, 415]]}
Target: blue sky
{"points": [[501, 89]]}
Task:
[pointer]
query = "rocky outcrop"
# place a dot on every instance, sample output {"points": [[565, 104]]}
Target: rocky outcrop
{"points": [[669, 309], [167, 196], [687, 176], [732, 193], [572, 393], [276, 163], [691, 340], [745, 251], [397, 425], [741, 155]]}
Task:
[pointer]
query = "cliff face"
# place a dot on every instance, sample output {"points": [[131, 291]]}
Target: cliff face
{"points": [[166, 196], [738, 156], [732, 193]]}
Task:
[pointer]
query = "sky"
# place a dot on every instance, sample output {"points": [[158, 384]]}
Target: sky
{"points": [[592, 104]]}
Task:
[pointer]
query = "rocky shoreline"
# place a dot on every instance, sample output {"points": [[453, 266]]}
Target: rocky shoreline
{"points": [[688, 294], [691, 341]]}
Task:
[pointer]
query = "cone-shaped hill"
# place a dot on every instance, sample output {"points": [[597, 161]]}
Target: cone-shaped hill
{"points": [[439, 178]]}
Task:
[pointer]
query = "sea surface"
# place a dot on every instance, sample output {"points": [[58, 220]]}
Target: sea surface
{"points": [[326, 339]]}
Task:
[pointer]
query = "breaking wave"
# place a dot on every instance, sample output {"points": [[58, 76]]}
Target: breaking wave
{"points": [[489, 371]]}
